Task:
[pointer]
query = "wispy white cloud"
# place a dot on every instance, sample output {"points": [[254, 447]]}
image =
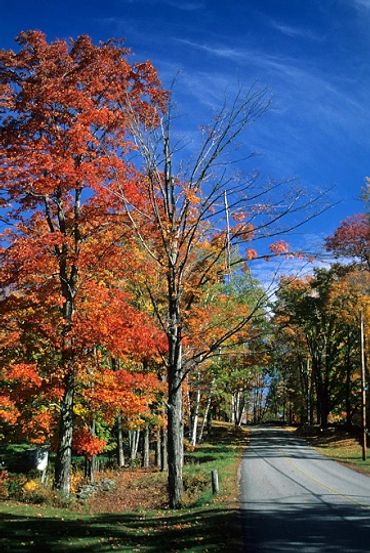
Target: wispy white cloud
{"points": [[184, 5], [220, 51], [245, 56], [270, 272], [319, 108], [298, 86], [361, 4], [295, 32]]}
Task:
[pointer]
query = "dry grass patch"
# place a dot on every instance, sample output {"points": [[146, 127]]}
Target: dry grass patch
{"points": [[339, 445], [135, 490]]}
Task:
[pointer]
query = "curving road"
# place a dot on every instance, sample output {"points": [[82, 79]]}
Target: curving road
{"points": [[295, 500]]}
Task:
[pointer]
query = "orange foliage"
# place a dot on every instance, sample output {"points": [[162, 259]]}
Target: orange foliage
{"points": [[122, 392], [38, 428], [84, 443], [8, 411], [251, 254], [67, 257], [26, 373], [279, 247]]}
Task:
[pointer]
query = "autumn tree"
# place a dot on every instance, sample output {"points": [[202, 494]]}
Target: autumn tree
{"points": [[127, 392], [352, 239], [65, 109], [189, 217], [227, 372], [30, 351], [317, 343]]}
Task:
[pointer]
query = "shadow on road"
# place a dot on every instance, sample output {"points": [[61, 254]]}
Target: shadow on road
{"points": [[274, 442], [300, 528]]}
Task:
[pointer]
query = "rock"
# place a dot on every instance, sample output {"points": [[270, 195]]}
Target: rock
{"points": [[88, 490]]}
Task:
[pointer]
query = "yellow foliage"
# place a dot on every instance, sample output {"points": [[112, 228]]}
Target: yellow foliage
{"points": [[76, 480], [79, 409], [31, 486], [192, 197]]}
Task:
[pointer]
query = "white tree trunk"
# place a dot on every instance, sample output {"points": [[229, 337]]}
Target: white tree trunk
{"points": [[194, 431]]}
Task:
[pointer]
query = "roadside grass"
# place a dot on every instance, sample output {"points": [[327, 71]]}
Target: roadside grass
{"points": [[340, 446], [206, 523], [221, 452]]}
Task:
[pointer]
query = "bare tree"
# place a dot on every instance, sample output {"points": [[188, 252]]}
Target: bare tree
{"points": [[185, 229]]}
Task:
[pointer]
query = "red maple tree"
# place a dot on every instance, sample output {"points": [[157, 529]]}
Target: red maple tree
{"points": [[63, 140]]}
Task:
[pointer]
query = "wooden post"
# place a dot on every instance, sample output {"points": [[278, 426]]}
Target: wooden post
{"points": [[215, 483], [363, 387]]}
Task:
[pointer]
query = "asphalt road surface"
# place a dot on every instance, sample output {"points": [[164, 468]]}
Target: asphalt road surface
{"points": [[295, 500]]}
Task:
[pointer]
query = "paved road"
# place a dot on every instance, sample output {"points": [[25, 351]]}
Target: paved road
{"points": [[295, 500]]}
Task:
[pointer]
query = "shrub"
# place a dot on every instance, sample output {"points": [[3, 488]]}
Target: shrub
{"points": [[195, 483], [4, 477], [31, 485], [77, 478], [15, 486], [188, 446]]}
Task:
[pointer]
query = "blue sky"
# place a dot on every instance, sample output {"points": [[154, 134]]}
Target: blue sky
{"points": [[313, 55]]}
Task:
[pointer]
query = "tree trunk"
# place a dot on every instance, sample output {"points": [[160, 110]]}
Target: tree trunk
{"points": [[175, 430], [175, 448], [194, 431], [348, 381], [120, 450], [260, 401], [188, 413], [240, 410], [206, 412], [158, 449], [316, 369], [91, 466], [68, 287], [175, 426], [145, 458], [236, 407], [64, 453], [232, 408], [348, 395], [91, 462], [324, 410], [164, 450], [209, 424], [311, 398], [134, 443]]}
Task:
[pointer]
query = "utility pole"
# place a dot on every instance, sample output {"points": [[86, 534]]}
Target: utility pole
{"points": [[363, 386], [228, 241]]}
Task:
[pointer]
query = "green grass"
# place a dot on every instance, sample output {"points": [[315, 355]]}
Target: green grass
{"points": [[207, 524], [221, 453], [197, 530]]}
